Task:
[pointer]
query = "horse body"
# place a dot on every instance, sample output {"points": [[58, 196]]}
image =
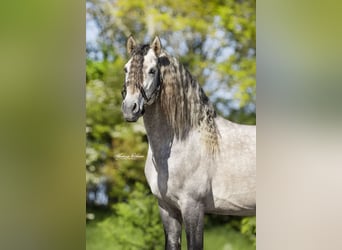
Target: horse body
{"points": [[197, 162], [177, 170]]}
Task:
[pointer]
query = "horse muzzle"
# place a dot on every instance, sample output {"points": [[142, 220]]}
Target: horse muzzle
{"points": [[131, 111]]}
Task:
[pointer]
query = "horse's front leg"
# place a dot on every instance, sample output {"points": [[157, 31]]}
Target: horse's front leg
{"points": [[193, 216], [172, 221]]}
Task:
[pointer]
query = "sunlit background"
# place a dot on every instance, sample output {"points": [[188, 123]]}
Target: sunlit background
{"points": [[215, 40]]}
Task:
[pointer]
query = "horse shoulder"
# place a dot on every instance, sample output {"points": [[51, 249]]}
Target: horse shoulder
{"points": [[180, 175]]}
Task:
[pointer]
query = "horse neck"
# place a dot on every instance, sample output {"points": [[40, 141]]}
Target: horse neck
{"points": [[159, 132], [175, 114]]}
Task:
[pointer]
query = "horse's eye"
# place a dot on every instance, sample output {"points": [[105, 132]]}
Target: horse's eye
{"points": [[152, 71], [123, 93], [125, 69]]}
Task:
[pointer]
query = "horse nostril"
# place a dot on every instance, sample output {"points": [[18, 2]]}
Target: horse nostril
{"points": [[135, 108]]}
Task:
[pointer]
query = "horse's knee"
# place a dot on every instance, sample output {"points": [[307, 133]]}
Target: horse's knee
{"points": [[193, 217], [172, 222]]}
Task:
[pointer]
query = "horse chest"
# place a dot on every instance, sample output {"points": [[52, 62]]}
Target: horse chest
{"points": [[169, 180], [163, 183]]}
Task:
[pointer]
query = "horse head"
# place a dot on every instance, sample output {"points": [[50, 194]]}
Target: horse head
{"points": [[142, 78]]}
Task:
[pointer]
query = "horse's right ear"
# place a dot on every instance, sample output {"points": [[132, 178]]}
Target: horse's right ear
{"points": [[130, 45], [156, 45]]}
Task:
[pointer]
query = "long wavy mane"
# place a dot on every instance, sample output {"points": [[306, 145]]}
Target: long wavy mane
{"points": [[185, 103]]}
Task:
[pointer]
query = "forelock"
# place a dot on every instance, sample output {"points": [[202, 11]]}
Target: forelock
{"points": [[138, 55], [141, 50], [136, 65]]}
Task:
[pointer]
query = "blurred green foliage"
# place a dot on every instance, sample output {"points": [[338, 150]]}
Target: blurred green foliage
{"points": [[248, 228], [136, 224], [215, 40]]}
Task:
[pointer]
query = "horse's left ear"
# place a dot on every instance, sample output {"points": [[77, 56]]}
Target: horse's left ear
{"points": [[130, 44], [156, 45]]}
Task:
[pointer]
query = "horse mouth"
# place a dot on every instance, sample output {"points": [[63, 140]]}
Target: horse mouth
{"points": [[132, 119]]}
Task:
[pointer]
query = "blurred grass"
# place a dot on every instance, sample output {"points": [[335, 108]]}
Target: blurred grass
{"points": [[219, 237], [222, 237], [225, 238]]}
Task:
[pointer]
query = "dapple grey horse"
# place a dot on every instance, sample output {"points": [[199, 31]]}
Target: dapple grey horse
{"points": [[197, 162]]}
